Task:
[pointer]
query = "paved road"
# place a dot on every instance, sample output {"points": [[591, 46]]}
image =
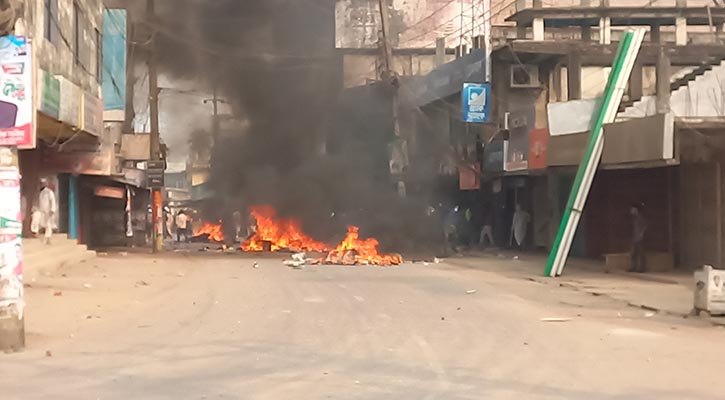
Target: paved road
{"points": [[216, 328]]}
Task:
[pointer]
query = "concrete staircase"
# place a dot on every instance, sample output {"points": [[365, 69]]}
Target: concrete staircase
{"points": [[678, 81], [39, 258]]}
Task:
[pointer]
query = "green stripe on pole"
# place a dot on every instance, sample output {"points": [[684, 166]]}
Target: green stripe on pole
{"points": [[606, 112]]}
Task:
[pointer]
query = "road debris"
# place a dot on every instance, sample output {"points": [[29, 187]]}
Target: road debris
{"points": [[555, 319], [48, 353], [649, 314], [437, 260], [472, 291], [255, 265], [58, 294], [87, 285], [142, 283]]}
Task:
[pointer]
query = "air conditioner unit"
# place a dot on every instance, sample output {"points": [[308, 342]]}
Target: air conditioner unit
{"points": [[525, 76]]}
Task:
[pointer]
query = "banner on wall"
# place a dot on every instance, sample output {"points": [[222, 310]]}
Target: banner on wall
{"points": [[11, 254], [16, 94]]}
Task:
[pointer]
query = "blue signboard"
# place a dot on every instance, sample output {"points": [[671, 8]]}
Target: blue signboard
{"points": [[476, 102]]}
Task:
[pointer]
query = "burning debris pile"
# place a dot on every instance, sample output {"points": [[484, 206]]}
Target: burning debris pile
{"points": [[274, 234], [209, 233], [355, 251]]}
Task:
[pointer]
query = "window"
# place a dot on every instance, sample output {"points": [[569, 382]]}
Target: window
{"points": [[77, 33], [50, 26], [99, 56]]}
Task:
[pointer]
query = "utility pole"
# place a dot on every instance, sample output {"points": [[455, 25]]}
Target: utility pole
{"points": [[399, 155], [154, 139]]}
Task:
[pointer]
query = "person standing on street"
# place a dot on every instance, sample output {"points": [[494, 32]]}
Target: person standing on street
{"points": [[519, 227], [639, 229], [182, 222], [47, 206]]}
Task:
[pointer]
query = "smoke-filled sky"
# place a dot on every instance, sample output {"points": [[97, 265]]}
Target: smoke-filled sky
{"points": [[275, 62]]}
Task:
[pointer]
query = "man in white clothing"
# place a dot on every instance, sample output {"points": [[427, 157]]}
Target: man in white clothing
{"points": [[47, 206]]}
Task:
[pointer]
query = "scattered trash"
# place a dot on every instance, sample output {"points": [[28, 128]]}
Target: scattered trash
{"points": [[459, 308], [472, 291], [425, 263], [443, 318], [516, 258], [87, 285], [619, 315], [298, 260], [89, 317], [58, 294], [48, 353], [649, 315], [123, 254], [437, 260], [142, 283], [255, 265], [555, 319], [526, 343], [180, 274], [64, 275], [143, 326]]}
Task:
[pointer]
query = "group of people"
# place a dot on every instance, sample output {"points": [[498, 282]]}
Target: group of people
{"points": [[461, 227]]}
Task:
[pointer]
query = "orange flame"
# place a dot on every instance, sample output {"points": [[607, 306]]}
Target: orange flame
{"points": [[280, 233], [353, 250], [213, 230]]}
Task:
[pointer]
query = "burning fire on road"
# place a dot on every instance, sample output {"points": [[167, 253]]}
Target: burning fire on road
{"points": [[209, 232], [274, 234]]}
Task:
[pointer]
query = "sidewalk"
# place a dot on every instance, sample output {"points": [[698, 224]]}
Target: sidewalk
{"points": [[667, 293]]}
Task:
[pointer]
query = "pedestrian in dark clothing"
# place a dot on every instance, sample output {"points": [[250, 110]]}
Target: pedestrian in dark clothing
{"points": [[639, 229]]}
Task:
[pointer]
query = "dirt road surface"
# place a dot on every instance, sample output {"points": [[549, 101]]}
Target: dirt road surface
{"points": [[215, 327]]}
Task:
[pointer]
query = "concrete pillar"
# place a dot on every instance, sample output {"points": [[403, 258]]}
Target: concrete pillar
{"points": [[635, 82], [440, 57], [663, 81], [681, 3], [538, 29], [654, 34], [605, 30], [681, 31], [520, 32], [556, 84], [574, 77], [586, 33], [73, 207]]}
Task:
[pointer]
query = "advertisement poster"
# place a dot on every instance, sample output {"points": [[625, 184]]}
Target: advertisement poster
{"points": [[11, 255], [16, 97]]}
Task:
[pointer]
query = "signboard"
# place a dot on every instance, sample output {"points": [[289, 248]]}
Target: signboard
{"points": [[80, 162], [70, 99], [49, 94], [155, 178], [493, 156], [468, 177], [92, 117], [570, 117], [16, 96], [476, 102], [110, 192], [517, 154], [538, 141]]}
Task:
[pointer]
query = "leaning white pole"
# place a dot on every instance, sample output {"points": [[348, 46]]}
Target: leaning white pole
{"points": [[617, 83]]}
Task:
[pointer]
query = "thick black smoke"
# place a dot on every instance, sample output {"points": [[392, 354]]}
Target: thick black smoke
{"points": [[275, 61]]}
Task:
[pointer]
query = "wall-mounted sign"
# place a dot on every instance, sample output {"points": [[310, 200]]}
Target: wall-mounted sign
{"points": [[476, 102], [49, 94], [92, 117], [16, 93], [110, 192], [538, 141]]}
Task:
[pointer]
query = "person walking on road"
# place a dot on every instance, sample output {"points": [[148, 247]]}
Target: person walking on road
{"points": [[47, 206], [639, 229]]}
